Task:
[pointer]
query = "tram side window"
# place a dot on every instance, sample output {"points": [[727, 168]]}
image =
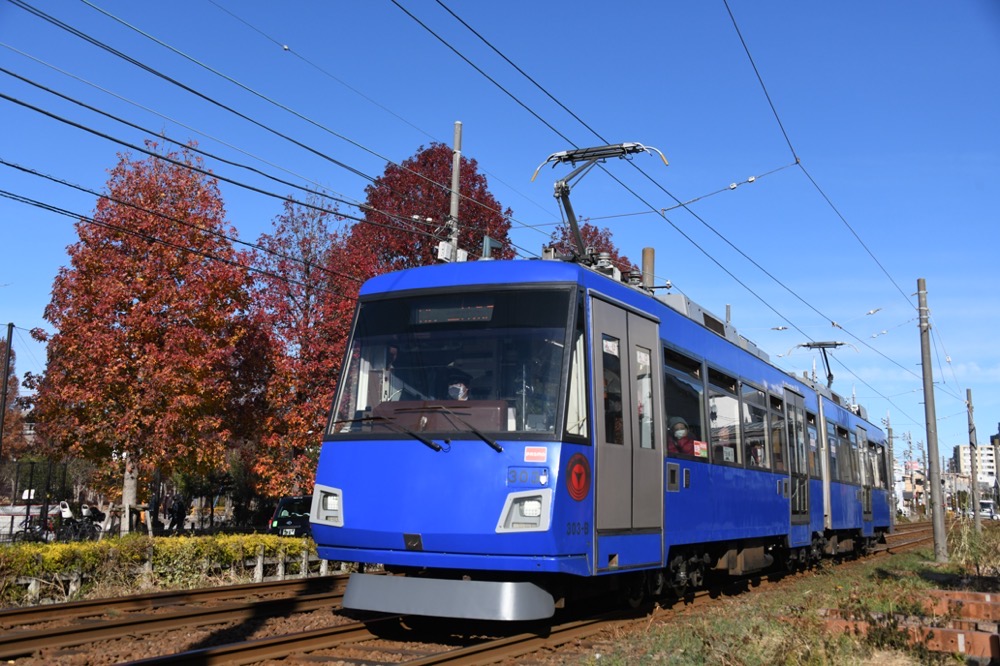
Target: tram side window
{"points": [[796, 438], [683, 399], [576, 407], [831, 442], [865, 469], [778, 434], [755, 429], [812, 434], [855, 459], [847, 464], [613, 428], [644, 397], [880, 467], [724, 415]]}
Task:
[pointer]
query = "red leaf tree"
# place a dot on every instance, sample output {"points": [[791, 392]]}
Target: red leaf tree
{"points": [[600, 240], [302, 298], [390, 239], [13, 422], [151, 327]]}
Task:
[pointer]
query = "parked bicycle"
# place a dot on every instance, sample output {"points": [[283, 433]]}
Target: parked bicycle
{"points": [[87, 528], [35, 529]]}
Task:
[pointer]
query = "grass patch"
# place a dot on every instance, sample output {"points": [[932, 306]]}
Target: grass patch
{"points": [[786, 626]]}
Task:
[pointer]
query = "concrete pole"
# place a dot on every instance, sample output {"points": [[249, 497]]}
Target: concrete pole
{"points": [[892, 474], [6, 377], [974, 455], [930, 418], [456, 165]]}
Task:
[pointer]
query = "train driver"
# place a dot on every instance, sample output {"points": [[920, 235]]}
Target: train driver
{"points": [[458, 385], [680, 440]]}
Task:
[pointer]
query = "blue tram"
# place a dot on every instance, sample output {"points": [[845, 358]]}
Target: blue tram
{"points": [[509, 433]]}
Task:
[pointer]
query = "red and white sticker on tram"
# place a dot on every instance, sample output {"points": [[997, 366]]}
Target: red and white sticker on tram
{"points": [[536, 454], [578, 476]]}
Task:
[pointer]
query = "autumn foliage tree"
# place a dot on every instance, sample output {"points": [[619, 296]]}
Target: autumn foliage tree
{"points": [[150, 323], [390, 239], [304, 277], [600, 240], [13, 422]]}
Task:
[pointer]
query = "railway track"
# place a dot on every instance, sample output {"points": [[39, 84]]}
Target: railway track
{"points": [[301, 621], [46, 631], [22, 618]]}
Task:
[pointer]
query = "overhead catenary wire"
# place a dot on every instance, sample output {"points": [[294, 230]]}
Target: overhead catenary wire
{"points": [[400, 218], [651, 211], [654, 181], [183, 144], [218, 234], [283, 107], [106, 47], [154, 239], [406, 222], [226, 179], [798, 161], [287, 48], [809, 177]]}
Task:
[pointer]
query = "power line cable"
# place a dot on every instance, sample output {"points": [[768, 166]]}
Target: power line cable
{"points": [[178, 142], [175, 121], [798, 161], [872, 388], [210, 100], [226, 179], [288, 49], [156, 240], [190, 225], [676, 228], [363, 207], [284, 108]]}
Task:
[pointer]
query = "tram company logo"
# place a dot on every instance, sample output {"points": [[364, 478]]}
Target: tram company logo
{"points": [[578, 476]]}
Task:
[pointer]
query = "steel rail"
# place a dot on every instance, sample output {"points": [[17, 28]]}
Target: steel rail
{"points": [[18, 617], [20, 643]]}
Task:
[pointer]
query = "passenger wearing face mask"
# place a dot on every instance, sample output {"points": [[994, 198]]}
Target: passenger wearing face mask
{"points": [[679, 439]]}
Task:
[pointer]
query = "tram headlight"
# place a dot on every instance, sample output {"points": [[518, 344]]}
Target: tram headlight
{"points": [[328, 505], [526, 511]]}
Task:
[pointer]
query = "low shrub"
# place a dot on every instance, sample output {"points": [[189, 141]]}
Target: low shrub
{"points": [[125, 565]]}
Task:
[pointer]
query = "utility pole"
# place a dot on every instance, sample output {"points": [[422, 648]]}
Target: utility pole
{"points": [[974, 455], [930, 417], [892, 472], [448, 250], [456, 166], [6, 377], [909, 465], [996, 467]]}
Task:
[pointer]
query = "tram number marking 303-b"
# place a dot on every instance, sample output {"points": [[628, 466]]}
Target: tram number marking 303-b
{"points": [[576, 528], [528, 477]]}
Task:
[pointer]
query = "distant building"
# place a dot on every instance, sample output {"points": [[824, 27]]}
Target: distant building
{"points": [[986, 463]]}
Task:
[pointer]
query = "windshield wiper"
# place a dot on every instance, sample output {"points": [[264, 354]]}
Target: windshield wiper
{"points": [[398, 428], [448, 414]]}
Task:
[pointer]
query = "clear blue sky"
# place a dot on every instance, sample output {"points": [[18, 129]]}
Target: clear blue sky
{"points": [[891, 107]]}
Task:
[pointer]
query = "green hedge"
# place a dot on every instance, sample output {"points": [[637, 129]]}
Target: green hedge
{"points": [[138, 562]]}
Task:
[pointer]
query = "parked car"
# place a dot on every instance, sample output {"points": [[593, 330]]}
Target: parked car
{"points": [[291, 517]]}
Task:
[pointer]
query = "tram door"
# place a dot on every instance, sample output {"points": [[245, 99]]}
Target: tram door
{"points": [[797, 458], [867, 474], [629, 442]]}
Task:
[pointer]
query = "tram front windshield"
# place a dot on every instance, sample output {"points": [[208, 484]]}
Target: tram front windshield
{"points": [[491, 361]]}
